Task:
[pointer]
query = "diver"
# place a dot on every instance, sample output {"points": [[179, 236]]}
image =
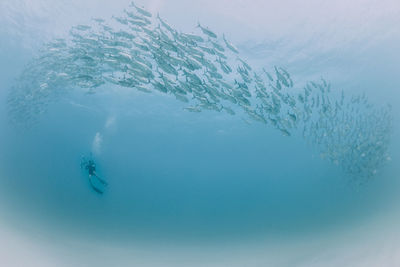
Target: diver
{"points": [[90, 166]]}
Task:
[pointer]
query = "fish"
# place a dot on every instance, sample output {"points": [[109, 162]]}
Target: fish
{"points": [[193, 37], [229, 110], [160, 87], [207, 50], [98, 20], [256, 116], [217, 46], [121, 20], [166, 25], [82, 27], [292, 117], [134, 17], [142, 89], [268, 75], [124, 34], [224, 66], [192, 109], [206, 31], [230, 46], [181, 97], [247, 66], [142, 11]]}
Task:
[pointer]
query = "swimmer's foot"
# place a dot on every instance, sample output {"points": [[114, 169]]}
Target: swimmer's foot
{"points": [[97, 190]]}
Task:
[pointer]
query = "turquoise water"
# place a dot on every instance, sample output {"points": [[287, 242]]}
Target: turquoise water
{"points": [[197, 180]]}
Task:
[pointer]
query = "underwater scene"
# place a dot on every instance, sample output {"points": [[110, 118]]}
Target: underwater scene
{"points": [[199, 133]]}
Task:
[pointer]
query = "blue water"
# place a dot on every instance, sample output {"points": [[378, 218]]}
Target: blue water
{"points": [[182, 178]]}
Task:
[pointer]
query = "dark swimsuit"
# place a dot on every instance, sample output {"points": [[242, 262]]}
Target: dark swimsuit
{"points": [[91, 168]]}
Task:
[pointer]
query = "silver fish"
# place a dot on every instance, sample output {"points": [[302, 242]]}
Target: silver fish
{"points": [[230, 46], [206, 31]]}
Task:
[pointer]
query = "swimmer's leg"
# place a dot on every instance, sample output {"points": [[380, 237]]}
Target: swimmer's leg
{"points": [[101, 180], [94, 187]]}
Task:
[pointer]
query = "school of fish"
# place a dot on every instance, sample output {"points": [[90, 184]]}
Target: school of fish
{"points": [[143, 52]]}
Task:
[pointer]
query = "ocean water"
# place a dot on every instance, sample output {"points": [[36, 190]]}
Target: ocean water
{"points": [[200, 188]]}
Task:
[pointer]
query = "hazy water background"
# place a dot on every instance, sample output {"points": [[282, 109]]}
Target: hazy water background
{"points": [[202, 189]]}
